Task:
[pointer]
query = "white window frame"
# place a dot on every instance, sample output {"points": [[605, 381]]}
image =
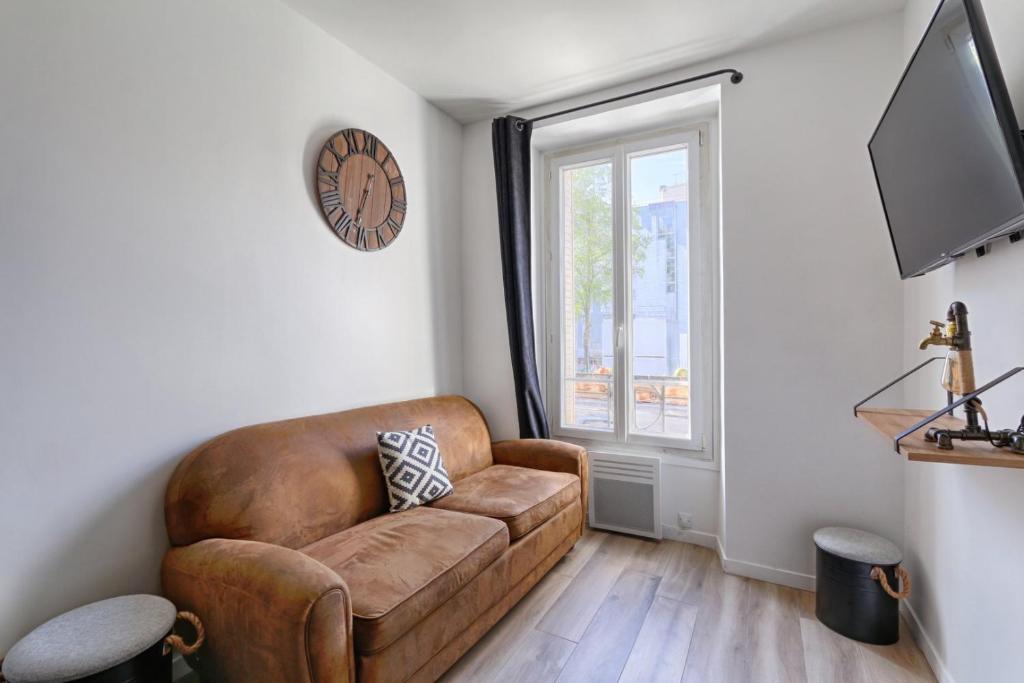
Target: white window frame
{"points": [[703, 231]]}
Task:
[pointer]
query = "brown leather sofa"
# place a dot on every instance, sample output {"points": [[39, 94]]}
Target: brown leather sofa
{"points": [[283, 544]]}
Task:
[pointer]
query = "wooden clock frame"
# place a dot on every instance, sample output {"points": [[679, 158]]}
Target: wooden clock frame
{"points": [[361, 190]]}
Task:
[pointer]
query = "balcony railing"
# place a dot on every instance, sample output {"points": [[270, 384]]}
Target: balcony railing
{"points": [[661, 404]]}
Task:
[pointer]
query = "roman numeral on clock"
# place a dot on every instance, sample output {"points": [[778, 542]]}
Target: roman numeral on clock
{"points": [[343, 225], [330, 200], [350, 139], [327, 176], [398, 205], [338, 156], [370, 148]]}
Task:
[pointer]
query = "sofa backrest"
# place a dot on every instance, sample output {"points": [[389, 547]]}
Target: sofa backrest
{"points": [[294, 482]]}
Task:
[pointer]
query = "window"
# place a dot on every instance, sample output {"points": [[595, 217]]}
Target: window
{"points": [[630, 287]]}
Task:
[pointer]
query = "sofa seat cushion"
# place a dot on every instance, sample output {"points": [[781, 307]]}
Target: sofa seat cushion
{"points": [[400, 567], [521, 497]]}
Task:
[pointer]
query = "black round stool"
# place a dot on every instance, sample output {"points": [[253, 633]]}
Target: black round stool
{"points": [[121, 640], [856, 574]]}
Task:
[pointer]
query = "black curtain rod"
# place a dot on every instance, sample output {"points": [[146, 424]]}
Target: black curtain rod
{"points": [[736, 77]]}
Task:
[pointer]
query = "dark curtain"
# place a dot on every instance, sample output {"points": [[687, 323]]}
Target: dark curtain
{"points": [[511, 139]]}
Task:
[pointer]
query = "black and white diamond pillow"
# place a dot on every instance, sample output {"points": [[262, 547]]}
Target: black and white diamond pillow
{"points": [[413, 467]]}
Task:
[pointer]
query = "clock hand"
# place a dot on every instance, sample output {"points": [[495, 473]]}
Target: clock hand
{"points": [[366, 195]]}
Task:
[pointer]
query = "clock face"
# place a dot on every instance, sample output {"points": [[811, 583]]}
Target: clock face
{"points": [[361, 190]]}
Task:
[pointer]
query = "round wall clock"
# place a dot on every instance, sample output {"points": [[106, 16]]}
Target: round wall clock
{"points": [[361, 190]]}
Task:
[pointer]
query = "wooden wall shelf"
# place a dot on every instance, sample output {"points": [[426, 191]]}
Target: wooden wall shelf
{"points": [[891, 421]]}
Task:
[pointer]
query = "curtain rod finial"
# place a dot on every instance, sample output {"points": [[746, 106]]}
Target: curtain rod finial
{"points": [[736, 77]]}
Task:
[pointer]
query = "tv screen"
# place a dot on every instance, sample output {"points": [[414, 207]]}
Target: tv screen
{"points": [[948, 153]]}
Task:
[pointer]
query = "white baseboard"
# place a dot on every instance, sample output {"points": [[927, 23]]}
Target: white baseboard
{"points": [[925, 643], [701, 538], [783, 577], [751, 570]]}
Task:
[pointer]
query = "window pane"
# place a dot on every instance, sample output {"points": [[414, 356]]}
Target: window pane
{"points": [[659, 198], [588, 342]]}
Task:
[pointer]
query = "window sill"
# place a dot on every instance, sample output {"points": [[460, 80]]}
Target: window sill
{"points": [[673, 457]]}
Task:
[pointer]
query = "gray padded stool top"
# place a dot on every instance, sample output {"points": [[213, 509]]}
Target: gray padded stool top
{"points": [[90, 639], [857, 545]]}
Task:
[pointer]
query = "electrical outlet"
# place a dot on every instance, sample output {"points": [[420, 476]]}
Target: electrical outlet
{"points": [[684, 520]]}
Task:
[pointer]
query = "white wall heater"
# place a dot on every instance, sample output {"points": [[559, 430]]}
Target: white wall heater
{"points": [[625, 494]]}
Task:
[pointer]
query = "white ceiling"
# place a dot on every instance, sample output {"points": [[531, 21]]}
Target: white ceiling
{"points": [[478, 58]]}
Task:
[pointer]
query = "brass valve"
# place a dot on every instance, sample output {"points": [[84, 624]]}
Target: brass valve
{"points": [[937, 337]]}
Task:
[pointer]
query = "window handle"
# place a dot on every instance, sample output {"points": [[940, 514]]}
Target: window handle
{"points": [[619, 337]]}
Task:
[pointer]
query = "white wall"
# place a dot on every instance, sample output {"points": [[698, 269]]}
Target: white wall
{"points": [[487, 369], [964, 525], [165, 274], [802, 223], [811, 298]]}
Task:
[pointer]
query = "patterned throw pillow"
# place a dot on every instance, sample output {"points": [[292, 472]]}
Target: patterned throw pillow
{"points": [[413, 467]]}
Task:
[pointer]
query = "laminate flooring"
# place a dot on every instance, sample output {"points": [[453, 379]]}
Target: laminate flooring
{"points": [[623, 609]]}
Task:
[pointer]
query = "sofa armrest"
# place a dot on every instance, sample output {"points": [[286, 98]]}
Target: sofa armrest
{"points": [[270, 612], [550, 455]]}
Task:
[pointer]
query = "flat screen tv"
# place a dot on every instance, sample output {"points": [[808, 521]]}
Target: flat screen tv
{"points": [[948, 153]]}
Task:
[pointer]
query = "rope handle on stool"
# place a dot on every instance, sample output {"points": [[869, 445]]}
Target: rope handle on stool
{"points": [[176, 641], [878, 574]]}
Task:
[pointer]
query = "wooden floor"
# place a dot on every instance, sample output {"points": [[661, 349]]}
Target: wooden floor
{"points": [[619, 608]]}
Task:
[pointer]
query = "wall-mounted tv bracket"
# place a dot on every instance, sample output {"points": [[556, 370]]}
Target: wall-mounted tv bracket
{"points": [[943, 438], [1014, 236], [1019, 235]]}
